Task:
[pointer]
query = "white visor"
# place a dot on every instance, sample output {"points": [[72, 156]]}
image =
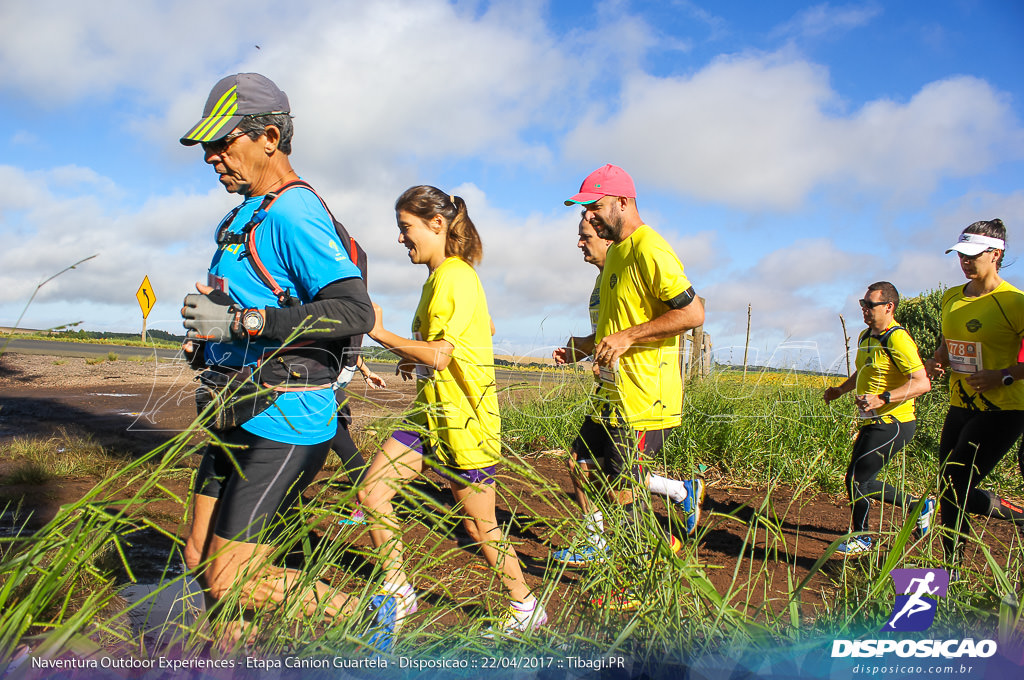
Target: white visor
{"points": [[975, 244]]}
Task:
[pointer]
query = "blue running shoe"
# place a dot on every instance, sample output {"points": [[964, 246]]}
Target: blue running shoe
{"points": [[381, 634], [855, 545], [580, 557], [924, 521], [691, 504]]}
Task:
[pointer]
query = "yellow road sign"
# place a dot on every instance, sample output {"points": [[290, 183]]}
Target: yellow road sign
{"points": [[146, 297]]}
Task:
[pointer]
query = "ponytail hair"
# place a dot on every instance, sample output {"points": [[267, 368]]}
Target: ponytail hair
{"points": [[462, 239]]}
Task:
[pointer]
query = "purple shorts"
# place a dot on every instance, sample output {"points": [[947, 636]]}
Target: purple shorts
{"points": [[414, 441]]}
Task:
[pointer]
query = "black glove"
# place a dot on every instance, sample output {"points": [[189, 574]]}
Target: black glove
{"points": [[194, 352], [213, 316]]}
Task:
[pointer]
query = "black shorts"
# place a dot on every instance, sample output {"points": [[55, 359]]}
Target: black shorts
{"points": [[618, 449], [273, 476]]}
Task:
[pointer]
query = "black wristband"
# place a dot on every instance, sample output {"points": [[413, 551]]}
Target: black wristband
{"points": [[885, 396]]}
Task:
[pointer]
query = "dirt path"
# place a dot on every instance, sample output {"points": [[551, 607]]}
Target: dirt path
{"points": [[133, 406]]}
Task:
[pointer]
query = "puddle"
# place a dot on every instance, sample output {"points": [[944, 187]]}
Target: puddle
{"points": [[13, 524], [164, 599], [162, 610], [112, 394]]}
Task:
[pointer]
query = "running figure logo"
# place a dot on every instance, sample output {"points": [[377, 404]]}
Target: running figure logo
{"points": [[914, 610]]}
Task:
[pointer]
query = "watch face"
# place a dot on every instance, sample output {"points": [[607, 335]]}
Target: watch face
{"points": [[252, 321]]}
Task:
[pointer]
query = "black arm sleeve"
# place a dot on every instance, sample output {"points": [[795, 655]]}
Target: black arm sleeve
{"points": [[339, 310], [681, 300]]}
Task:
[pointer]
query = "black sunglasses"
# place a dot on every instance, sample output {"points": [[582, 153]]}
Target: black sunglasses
{"points": [[974, 257], [220, 145], [866, 304]]}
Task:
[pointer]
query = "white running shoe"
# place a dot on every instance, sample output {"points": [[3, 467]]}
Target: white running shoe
{"points": [[519, 619]]}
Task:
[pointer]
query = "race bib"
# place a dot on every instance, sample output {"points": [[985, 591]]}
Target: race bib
{"points": [[964, 355], [866, 413], [217, 283], [609, 374]]}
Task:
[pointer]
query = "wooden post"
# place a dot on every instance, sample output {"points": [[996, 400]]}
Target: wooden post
{"points": [[746, 345], [846, 344]]}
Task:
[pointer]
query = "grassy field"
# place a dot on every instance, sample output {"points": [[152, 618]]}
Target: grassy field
{"points": [[769, 431]]}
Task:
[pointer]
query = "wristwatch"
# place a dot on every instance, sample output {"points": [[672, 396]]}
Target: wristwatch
{"points": [[885, 396], [252, 322], [1007, 378]]}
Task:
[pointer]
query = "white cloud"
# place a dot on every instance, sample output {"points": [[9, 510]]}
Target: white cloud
{"points": [[62, 216], [759, 131], [825, 19], [56, 51]]}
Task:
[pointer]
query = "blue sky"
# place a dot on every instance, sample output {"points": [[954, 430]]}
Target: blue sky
{"points": [[791, 152]]}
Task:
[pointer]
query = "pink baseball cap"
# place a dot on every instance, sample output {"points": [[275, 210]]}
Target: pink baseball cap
{"points": [[609, 180]]}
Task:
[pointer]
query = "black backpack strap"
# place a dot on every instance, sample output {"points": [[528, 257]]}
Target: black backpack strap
{"points": [[883, 339]]}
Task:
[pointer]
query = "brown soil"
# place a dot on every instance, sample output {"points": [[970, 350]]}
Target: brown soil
{"points": [[132, 406]]}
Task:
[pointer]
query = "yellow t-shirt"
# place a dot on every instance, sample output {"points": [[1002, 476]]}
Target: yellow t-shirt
{"points": [[646, 392], [459, 405], [991, 325], [876, 373], [594, 308]]}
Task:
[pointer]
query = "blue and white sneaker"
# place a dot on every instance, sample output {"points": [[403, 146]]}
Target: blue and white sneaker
{"points": [[381, 633], [924, 521], [580, 557], [691, 504], [855, 545]]}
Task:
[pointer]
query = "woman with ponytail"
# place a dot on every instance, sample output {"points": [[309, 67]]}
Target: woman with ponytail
{"points": [[455, 426]]}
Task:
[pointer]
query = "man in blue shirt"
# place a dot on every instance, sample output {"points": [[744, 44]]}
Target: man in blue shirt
{"points": [[281, 293]]}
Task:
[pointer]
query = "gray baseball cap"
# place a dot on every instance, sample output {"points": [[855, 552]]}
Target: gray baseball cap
{"points": [[231, 98]]}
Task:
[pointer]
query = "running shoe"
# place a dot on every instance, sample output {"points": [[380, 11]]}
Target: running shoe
{"points": [[518, 620], [381, 633], [580, 557], [855, 545], [674, 544], [355, 519], [691, 504], [924, 521], [622, 600]]}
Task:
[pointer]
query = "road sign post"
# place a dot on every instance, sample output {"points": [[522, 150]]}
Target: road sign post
{"points": [[146, 298]]}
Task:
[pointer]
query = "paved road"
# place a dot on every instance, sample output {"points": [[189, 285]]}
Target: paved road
{"points": [[504, 376], [84, 349]]}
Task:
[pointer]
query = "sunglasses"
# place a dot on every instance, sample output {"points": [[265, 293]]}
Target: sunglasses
{"points": [[974, 257], [866, 304], [219, 146]]}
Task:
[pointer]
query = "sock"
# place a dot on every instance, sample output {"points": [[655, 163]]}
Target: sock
{"points": [[404, 590], [593, 524], [673, 489], [527, 606]]}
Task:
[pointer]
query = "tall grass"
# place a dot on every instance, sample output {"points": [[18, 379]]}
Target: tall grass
{"points": [[779, 438]]}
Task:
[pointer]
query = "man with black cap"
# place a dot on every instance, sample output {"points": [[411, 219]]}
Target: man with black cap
{"points": [[281, 288], [646, 302]]}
